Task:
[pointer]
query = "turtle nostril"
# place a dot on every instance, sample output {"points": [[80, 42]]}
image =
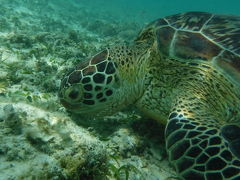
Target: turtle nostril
{"points": [[73, 94]]}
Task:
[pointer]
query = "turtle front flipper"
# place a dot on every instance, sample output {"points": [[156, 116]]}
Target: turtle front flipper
{"points": [[199, 146]]}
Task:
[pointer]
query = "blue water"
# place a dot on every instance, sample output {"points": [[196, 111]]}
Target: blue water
{"points": [[145, 10]]}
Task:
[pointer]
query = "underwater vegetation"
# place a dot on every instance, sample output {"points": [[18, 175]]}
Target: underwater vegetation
{"points": [[39, 42]]}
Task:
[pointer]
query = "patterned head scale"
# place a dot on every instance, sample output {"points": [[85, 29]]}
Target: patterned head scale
{"points": [[89, 84]]}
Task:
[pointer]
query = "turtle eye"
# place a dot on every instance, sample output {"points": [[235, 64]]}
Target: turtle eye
{"points": [[73, 93]]}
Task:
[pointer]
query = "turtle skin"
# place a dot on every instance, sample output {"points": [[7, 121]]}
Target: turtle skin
{"points": [[183, 71]]}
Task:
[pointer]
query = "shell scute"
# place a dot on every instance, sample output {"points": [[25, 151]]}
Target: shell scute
{"points": [[230, 64], [193, 21], [224, 30], [190, 45], [164, 42], [200, 36], [158, 23]]}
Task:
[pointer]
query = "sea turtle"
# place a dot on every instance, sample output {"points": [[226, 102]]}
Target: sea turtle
{"points": [[182, 70]]}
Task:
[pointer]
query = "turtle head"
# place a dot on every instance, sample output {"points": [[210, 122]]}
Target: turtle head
{"points": [[104, 84]]}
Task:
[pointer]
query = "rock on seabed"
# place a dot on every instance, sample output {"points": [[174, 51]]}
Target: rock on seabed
{"points": [[47, 146]]}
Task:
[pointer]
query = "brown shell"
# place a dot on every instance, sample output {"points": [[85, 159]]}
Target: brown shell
{"points": [[199, 36]]}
